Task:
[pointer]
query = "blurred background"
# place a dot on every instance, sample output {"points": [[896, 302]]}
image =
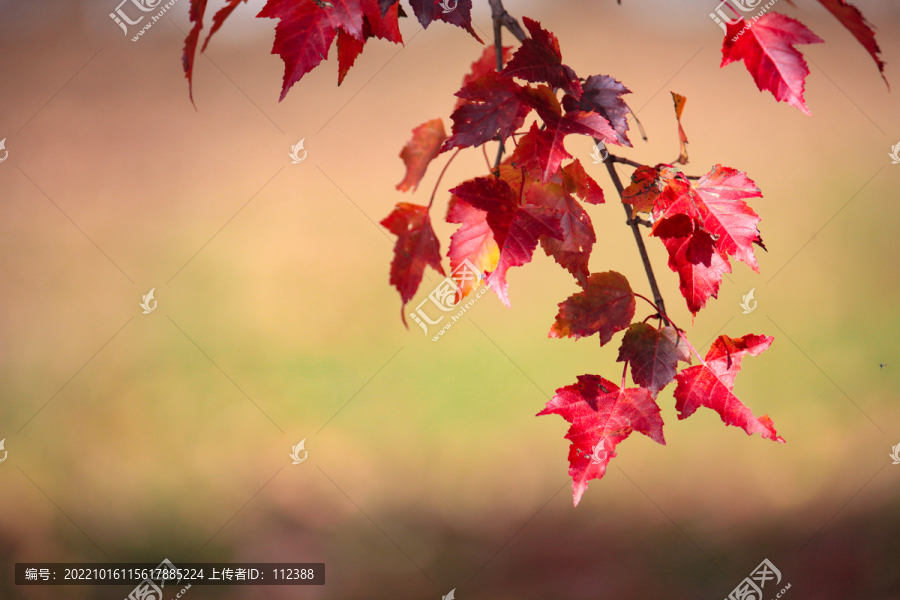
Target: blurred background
{"points": [[137, 437]]}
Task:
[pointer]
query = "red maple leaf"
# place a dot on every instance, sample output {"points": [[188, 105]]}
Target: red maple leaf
{"points": [[851, 18], [711, 384], [420, 151], [416, 247], [602, 415], [605, 306], [573, 251], [602, 94], [428, 11], [196, 11], [492, 108], [487, 63], [767, 49], [516, 227], [578, 182], [538, 59], [473, 241], [653, 355], [693, 255]]}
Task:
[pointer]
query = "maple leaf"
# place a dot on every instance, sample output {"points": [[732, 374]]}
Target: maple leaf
{"points": [[605, 306], [487, 63], [767, 49], [578, 182], [602, 94], [473, 241], [420, 151], [693, 255], [492, 108], [601, 416], [416, 247], [644, 189], [196, 11], [428, 11], [717, 202], [516, 228], [851, 18], [573, 251], [375, 24], [219, 18], [682, 138], [538, 59], [653, 354], [348, 49], [711, 384]]}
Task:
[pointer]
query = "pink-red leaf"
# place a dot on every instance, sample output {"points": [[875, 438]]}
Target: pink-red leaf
{"points": [[416, 247], [605, 306], [538, 59], [767, 49], [693, 255], [573, 251], [420, 151], [602, 416], [473, 241], [653, 354], [712, 385], [578, 182]]}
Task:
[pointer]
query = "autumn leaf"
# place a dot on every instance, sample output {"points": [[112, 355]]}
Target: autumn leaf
{"points": [[473, 241], [196, 11], [605, 306], [420, 151], [767, 49], [428, 11], [573, 251], [516, 228], [712, 385], [653, 355], [602, 94], [416, 247], [693, 255], [578, 182], [348, 49], [492, 108], [601, 416], [219, 18], [644, 189], [851, 18], [538, 60], [484, 65], [717, 202], [682, 138]]}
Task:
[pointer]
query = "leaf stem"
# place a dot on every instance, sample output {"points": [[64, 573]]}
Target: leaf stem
{"points": [[441, 176]]}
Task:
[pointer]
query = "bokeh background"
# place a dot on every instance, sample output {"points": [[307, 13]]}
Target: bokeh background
{"points": [[137, 437]]}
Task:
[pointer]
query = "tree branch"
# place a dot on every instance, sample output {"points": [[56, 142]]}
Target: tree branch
{"points": [[505, 19], [648, 268]]}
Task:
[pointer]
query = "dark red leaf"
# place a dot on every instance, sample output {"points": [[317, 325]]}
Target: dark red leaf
{"points": [[578, 182], [486, 64], [602, 416], [712, 385], [538, 59], [605, 306], [851, 18], [492, 108], [219, 18], [196, 11], [653, 354], [602, 94], [573, 251]]}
